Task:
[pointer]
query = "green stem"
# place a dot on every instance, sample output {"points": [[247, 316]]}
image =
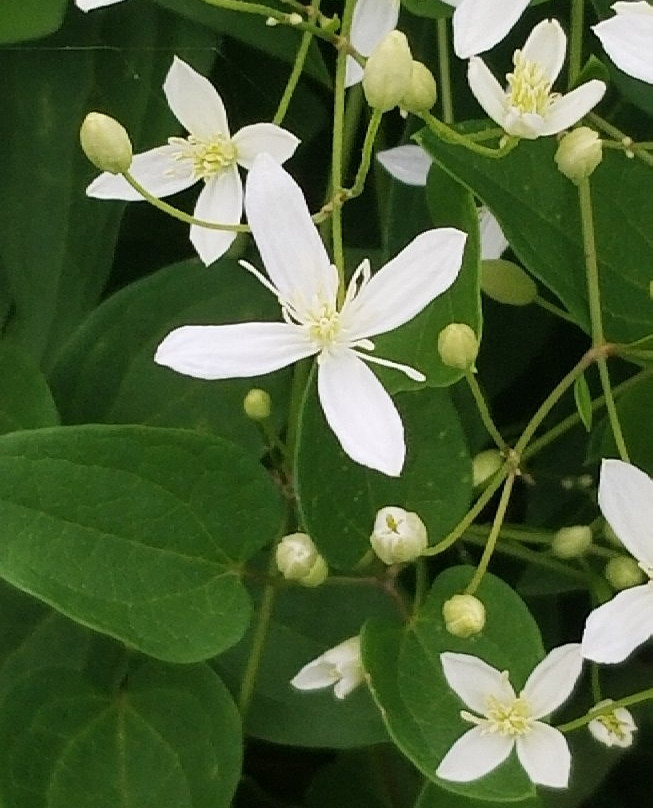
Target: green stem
{"points": [[553, 309], [627, 701], [611, 409], [366, 157], [295, 74], [576, 40], [449, 135], [421, 583], [444, 87], [616, 133], [484, 411]]}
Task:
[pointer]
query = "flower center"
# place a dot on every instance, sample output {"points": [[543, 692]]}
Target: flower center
{"points": [[614, 726], [324, 326], [528, 89], [504, 718], [208, 158]]}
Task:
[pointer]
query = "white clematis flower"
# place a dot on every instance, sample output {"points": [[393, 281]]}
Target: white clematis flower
{"points": [[615, 728], [506, 721], [340, 667], [89, 5], [356, 406], [616, 628], [372, 20], [209, 154], [528, 108], [627, 38], [479, 25]]}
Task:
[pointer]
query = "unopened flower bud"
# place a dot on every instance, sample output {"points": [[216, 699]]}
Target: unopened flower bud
{"points": [[298, 560], [507, 283], [579, 153], [295, 18], [464, 615], [399, 536], [613, 729], [623, 572], [386, 78], [571, 542], [484, 465], [257, 404], [106, 143], [317, 574], [458, 346], [422, 92]]}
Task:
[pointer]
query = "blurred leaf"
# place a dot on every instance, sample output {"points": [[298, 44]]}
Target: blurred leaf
{"points": [[434, 797], [30, 19], [25, 398]]}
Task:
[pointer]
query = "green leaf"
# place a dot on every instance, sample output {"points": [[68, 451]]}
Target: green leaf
{"points": [[435, 481], [428, 8], [634, 410], [25, 398], [30, 19], [583, 399], [434, 797], [136, 532]]}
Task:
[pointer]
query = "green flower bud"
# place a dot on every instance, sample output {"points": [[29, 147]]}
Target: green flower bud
{"points": [[422, 92], [106, 143], [579, 153], [507, 283], [464, 615], [317, 574], [387, 74], [298, 560], [623, 572], [484, 465], [257, 404], [399, 536], [571, 542], [458, 346]]}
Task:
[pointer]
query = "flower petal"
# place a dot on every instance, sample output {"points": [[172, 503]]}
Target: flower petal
{"points": [[220, 201], [360, 412], [553, 679], [89, 5], [615, 629], [546, 46], [404, 286], [250, 141], [315, 675], [409, 164], [479, 25], [544, 754], [195, 102], [232, 351], [288, 241], [627, 37], [493, 241], [156, 170], [473, 680], [487, 90], [474, 754], [567, 109], [626, 501]]}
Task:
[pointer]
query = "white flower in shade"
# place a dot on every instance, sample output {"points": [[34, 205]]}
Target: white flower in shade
{"points": [[615, 728], [209, 154], [398, 536], [479, 25], [355, 404], [89, 5], [505, 721], [626, 38], [616, 628], [528, 108], [372, 20], [340, 667]]}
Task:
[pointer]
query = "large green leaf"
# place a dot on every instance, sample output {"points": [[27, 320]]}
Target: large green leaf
{"points": [[29, 19], [25, 398]]}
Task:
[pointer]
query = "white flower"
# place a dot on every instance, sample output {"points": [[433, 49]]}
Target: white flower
{"points": [[89, 5], [627, 38], [398, 536], [355, 404], [209, 154], [479, 25], [616, 628], [372, 20], [615, 728], [528, 108], [340, 667], [506, 721]]}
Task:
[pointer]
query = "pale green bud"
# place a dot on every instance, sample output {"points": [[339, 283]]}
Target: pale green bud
{"points": [[422, 92], [623, 572], [257, 404], [507, 283], [399, 536], [298, 560], [464, 615], [579, 153], [484, 465], [458, 346], [386, 78], [571, 542], [106, 143]]}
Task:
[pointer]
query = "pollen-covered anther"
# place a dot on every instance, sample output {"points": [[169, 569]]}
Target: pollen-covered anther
{"points": [[325, 327], [529, 90], [208, 157]]}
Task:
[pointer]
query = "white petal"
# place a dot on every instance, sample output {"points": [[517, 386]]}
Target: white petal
{"points": [[232, 351], [473, 680], [288, 241], [372, 20], [315, 675], [544, 754], [493, 240], [567, 109], [195, 102], [360, 412], [409, 164], [156, 170], [487, 90], [476, 753], [547, 46], [615, 629], [553, 679], [479, 25], [251, 141], [404, 286], [353, 73], [626, 501], [523, 124], [220, 201], [89, 5], [627, 37]]}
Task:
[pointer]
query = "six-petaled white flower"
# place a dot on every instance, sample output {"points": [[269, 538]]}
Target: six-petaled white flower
{"points": [[479, 25], [372, 20], [627, 36], [340, 667], [615, 728], [355, 404], [528, 108], [616, 628], [505, 721], [89, 5], [209, 154]]}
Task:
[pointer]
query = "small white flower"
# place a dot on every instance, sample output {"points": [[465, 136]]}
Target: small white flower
{"points": [[398, 536], [89, 5], [505, 721], [209, 154], [340, 667], [355, 404], [479, 25], [372, 20], [616, 628], [615, 728], [528, 108], [627, 38]]}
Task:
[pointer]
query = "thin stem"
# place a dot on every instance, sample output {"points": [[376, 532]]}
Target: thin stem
{"points": [[576, 40], [421, 582], [611, 409], [616, 133], [449, 135], [296, 72], [484, 411], [366, 157], [444, 87], [545, 304], [627, 701]]}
